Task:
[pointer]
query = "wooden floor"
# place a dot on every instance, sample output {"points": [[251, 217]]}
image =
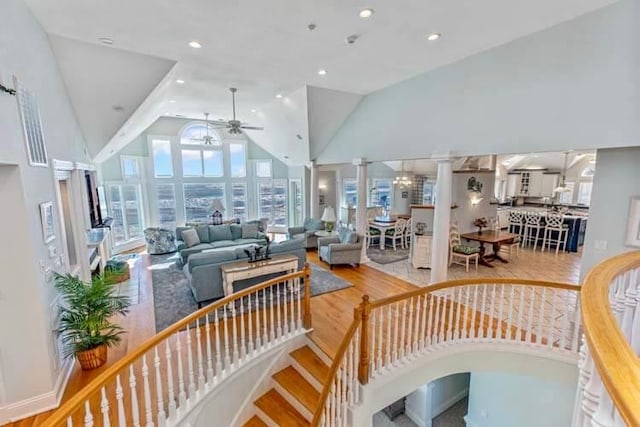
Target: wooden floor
{"points": [[332, 313]]}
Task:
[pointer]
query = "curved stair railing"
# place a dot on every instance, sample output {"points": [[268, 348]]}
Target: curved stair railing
{"points": [[159, 382], [388, 333], [609, 384]]}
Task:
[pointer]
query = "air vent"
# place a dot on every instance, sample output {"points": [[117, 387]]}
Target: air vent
{"points": [[32, 126]]}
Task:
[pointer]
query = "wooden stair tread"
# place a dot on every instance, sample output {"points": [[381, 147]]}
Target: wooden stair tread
{"points": [[310, 361], [280, 411], [294, 383], [255, 421]]}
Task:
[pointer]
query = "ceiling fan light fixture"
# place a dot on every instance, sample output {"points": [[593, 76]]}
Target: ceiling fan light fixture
{"points": [[195, 44], [433, 36], [366, 13]]}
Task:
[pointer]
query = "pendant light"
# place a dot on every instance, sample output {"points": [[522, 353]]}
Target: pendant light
{"points": [[402, 180], [562, 188]]}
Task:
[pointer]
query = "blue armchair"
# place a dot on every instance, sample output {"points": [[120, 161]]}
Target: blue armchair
{"points": [[307, 232]]}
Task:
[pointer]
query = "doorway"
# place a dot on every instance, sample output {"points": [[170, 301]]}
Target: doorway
{"points": [[67, 224]]}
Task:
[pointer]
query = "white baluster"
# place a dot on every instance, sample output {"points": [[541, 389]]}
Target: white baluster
{"points": [[483, 314], [243, 343], [630, 303], [520, 313], [430, 326], [265, 335], [88, 416], [272, 326], [104, 408], [372, 352], [258, 326], [122, 418], [70, 422], [403, 330], [182, 395], [449, 336], [410, 322], [351, 370], [250, 316], [543, 302], [219, 367], [416, 327], [510, 314], [207, 331], [147, 392], [299, 298], [380, 338], [565, 322], [292, 318], [225, 337], [491, 314], [500, 318], [436, 321], [279, 314], [474, 313], [236, 348], [135, 409], [389, 336], [530, 316], [465, 332], [576, 325], [199, 358], [552, 318], [171, 393], [191, 371], [443, 319], [162, 415], [396, 315], [456, 329], [356, 357], [424, 312]]}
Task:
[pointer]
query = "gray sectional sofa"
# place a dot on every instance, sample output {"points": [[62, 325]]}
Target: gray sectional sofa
{"points": [[215, 237], [203, 269]]}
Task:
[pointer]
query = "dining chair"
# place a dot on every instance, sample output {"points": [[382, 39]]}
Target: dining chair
{"points": [[408, 231], [370, 235], [516, 222], [459, 253], [396, 233], [555, 223]]}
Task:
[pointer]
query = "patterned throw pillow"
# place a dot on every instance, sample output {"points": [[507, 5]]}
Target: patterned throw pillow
{"points": [[467, 250], [190, 237]]}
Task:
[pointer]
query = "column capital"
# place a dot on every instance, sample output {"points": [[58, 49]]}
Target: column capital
{"points": [[360, 161], [311, 164]]}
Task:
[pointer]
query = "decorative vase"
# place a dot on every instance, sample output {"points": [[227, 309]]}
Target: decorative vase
{"points": [[92, 358]]}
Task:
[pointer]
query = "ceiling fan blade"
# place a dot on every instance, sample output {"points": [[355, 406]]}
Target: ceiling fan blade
{"points": [[252, 127]]}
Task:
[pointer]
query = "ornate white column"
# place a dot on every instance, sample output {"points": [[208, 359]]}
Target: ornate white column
{"points": [[361, 207], [441, 219], [314, 206]]}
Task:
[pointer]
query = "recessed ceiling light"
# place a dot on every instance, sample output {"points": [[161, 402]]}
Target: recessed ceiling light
{"points": [[172, 101], [180, 81], [279, 95], [366, 13], [253, 110], [106, 40], [195, 44], [433, 37], [322, 72]]}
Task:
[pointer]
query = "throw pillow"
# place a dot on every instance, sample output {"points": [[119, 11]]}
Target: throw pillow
{"points": [[236, 232], [203, 233], [220, 232], [190, 237], [249, 231]]}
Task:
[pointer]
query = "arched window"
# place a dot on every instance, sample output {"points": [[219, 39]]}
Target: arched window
{"points": [[588, 172], [196, 134]]}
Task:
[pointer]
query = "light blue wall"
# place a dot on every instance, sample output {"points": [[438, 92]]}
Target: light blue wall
{"points": [[574, 85], [508, 400]]}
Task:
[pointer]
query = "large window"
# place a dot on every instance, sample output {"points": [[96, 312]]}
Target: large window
{"points": [[296, 202], [272, 201], [125, 206], [202, 163], [428, 193], [239, 200], [237, 160], [162, 160], [381, 192], [584, 193], [167, 214], [350, 192], [130, 168], [198, 198], [566, 197]]}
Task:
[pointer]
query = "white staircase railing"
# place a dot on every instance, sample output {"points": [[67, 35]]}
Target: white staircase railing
{"points": [[159, 382]]}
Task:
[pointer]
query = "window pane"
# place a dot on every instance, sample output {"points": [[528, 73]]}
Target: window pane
{"points": [[130, 168], [191, 163], [162, 162], [350, 191], [115, 209], [239, 200], [237, 160], [567, 196], [263, 168], [296, 199], [133, 211], [213, 165], [279, 216], [428, 193], [197, 200], [584, 193], [383, 191], [102, 199], [196, 135], [166, 206], [265, 199]]}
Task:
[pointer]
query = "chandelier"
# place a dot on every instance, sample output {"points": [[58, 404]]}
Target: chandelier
{"points": [[402, 180]]}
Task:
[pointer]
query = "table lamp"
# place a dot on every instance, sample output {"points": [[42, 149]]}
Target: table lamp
{"points": [[329, 218], [217, 207]]}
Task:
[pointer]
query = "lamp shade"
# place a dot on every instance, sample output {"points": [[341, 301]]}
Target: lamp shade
{"points": [[216, 205], [329, 214]]}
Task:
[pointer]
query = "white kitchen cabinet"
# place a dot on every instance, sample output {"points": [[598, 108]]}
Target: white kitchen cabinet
{"points": [[549, 182], [524, 184], [535, 184], [513, 185], [421, 247]]}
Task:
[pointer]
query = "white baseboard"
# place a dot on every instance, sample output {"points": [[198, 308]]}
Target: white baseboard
{"points": [[415, 418], [40, 403], [450, 402], [470, 422]]}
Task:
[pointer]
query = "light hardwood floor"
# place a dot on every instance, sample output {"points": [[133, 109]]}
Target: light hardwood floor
{"points": [[332, 313]]}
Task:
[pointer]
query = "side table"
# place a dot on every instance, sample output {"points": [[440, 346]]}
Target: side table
{"points": [[240, 270]]}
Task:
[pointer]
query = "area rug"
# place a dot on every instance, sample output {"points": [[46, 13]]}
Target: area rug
{"points": [[173, 300], [387, 256]]}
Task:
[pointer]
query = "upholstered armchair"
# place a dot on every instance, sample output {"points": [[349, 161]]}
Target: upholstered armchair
{"points": [[159, 241], [346, 248], [307, 232]]}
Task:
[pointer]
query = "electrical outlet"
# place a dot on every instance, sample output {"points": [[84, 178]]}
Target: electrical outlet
{"points": [[600, 245]]}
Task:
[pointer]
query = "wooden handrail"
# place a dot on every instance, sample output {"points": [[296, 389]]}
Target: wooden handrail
{"points": [[68, 408], [467, 282], [613, 357]]}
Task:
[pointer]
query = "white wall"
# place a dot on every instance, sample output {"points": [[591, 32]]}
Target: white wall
{"points": [[327, 184], [498, 399], [27, 358], [617, 178], [466, 212], [574, 85], [432, 399]]}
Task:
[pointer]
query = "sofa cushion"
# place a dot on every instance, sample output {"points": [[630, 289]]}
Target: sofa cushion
{"points": [[467, 250], [312, 224], [286, 246], [236, 231], [248, 241], [187, 252], [220, 232], [203, 233], [249, 231], [223, 243], [179, 231], [190, 238], [214, 257]]}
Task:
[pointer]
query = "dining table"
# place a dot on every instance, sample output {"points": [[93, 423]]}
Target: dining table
{"points": [[382, 227], [493, 238]]}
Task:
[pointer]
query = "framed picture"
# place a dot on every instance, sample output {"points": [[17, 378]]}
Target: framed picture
{"points": [[633, 223], [405, 194], [321, 199], [46, 217]]}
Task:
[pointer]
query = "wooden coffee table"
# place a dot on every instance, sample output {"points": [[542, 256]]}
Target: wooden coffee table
{"points": [[492, 238], [240, 270]]}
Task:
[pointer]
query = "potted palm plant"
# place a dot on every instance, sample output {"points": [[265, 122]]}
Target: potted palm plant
{"points": [[85, 318]]}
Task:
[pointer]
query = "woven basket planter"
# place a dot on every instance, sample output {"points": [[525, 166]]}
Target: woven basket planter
{"points": [[118, 276], [94, 358]]}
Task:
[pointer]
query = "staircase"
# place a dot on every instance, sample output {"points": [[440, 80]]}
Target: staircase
{"points": [[295, 393]]}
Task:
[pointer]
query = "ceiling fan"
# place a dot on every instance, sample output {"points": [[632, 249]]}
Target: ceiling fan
{"points": [[207, 139], [235, 126]]}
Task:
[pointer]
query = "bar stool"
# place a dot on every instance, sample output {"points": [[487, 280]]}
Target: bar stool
{"points": [[532, 226], [516, 222], [555, 222]]}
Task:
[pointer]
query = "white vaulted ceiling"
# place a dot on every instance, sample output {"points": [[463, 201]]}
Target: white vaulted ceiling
{"points": [[264, 47]]}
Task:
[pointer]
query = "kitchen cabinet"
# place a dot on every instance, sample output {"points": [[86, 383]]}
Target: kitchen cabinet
{"points": [[536, 184], [549, 182], [421, 246], [524, 181], [513, 184]]}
